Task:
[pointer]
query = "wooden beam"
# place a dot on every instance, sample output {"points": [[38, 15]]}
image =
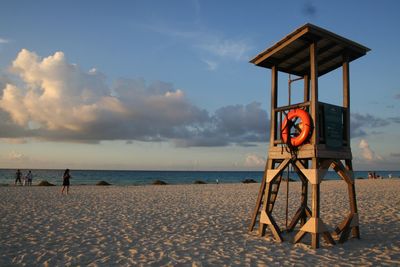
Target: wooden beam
{"points": [[324, 61], [339, 39], [343, 172], [346, 97], [271, 174], [297, 216], [328, 238], [274, 227], [353, 199], [306, 59], [346, 230], [293, 53], [314, 91], [315, 199], [267, 188], [297, 238], [274, 104], [261, 57], [306, 88], [259, 199]]}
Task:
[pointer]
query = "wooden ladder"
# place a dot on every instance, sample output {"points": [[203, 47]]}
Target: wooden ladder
{"points": [[275, 184]]}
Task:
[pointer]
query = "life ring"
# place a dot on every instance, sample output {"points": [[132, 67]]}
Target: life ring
{"points": [[304, 127]]}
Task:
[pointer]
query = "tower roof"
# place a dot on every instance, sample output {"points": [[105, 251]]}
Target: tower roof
{"points": [[291, 54]]}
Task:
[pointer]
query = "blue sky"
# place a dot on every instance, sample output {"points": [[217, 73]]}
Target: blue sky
{"points": [[167, 84]]}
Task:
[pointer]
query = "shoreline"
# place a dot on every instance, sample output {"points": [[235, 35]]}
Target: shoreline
{"points": [[36, 184]]}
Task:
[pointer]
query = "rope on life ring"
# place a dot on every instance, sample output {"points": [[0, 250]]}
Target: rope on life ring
{"points": [[304, 127]]}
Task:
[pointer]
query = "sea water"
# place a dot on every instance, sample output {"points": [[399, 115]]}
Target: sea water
{"points": [[116, 177]]}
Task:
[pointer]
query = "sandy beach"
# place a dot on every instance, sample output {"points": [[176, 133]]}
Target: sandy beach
{"points": [[186, 225]]}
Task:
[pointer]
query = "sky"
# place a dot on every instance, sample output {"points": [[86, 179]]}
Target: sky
{"points": [[167, 85]]}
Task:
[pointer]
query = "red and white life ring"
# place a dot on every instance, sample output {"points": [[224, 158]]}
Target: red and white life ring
{"points": [[305, 127]]}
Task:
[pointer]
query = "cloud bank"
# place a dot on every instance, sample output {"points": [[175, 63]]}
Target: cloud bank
{"points": [[254, 160], [361, 122], [52, 99], [56, 100]]}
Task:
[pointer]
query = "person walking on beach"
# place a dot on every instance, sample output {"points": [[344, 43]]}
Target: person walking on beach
{"points": [[29, 178], [18, 175], [66, 177]]}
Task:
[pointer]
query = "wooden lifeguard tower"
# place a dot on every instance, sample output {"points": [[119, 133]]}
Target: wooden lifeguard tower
{"points": [[309, 52]]}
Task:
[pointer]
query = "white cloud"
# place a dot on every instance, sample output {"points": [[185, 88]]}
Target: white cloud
{"points": [[57, 95], [4, 41], [16, 156], [56, 100], [13, 141], [226, 48], [253, 160], [211, 65], [367, 153], [213, 44]]}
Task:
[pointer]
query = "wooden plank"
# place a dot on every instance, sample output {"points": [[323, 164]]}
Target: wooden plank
{"points": [[337, 38], [273, 197], [307, 151], [262, 227], [279, 46], [325, 164], [345, 232], [353, 200], [341, 226], [314, 90], [310, 32], [275, 230], [315, 200], [293, 106], [328, 238], [351, 188], [303, 200], [299, 165], [259, 200], [346, 97], [294, 53], [306, 60], [296, 218], [297, 238], [306, 88], [274, 103], [264, 218], [315, 241], [325, 153], [315, 197], [308, 212], [268, 220], [330, 63], [273, 173], [345, 174], [314, 225], [314, 176]]}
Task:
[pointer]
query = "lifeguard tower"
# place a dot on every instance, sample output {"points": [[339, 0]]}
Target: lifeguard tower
{"points": [[310, 136]]}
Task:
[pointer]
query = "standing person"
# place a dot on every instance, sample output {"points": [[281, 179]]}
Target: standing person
{"points": [[18, 175], [66, 177], [29, 178]]}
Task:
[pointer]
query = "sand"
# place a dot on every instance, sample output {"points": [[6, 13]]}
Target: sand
{"points": [[186, 225]]}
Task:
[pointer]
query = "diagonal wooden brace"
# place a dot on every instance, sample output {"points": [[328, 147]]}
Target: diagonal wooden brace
{"points": [[268, 220]]}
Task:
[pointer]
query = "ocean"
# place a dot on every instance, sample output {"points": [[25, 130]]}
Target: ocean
{"points": [[115, 177]]}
